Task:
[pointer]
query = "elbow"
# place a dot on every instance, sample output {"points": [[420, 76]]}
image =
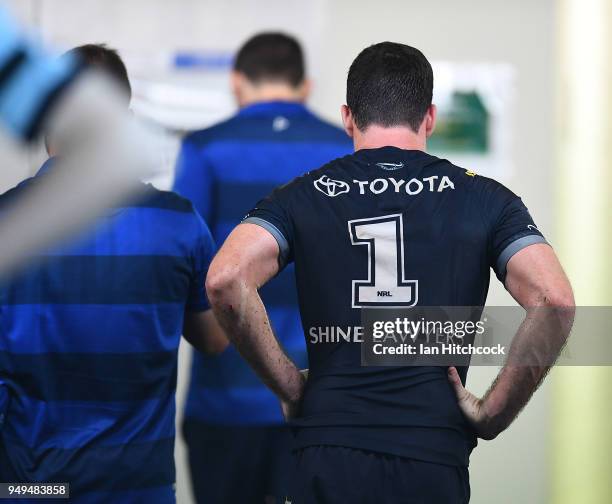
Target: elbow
{"points": [[215, 341], [559, 298], [560, 304], [217, 347], [222, 282]]}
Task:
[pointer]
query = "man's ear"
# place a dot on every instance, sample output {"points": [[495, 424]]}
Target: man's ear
{"points": [[347, 120], [236, 84], [304, 89], [430, 120]]}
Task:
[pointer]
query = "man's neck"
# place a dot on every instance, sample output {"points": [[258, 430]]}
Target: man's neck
{"points": [[375, 137], [270, 93]]}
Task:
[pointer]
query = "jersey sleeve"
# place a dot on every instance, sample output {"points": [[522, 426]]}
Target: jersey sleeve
{"points": [[511, 227], [273, 214], [194, 179], [202, 255]]}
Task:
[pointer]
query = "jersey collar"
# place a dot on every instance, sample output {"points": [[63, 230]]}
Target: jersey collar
{"points": [[391, 154], [273, 108]]}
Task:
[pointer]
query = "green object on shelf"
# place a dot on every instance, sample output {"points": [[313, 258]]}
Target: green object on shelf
{"points": [[462, 127]]}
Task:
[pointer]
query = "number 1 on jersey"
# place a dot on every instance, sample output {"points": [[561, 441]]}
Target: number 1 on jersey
{"points": [[386, 285]]}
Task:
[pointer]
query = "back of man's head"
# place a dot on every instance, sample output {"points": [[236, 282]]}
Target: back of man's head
{"points": [[107, 60], [389, 84], [271, 58]]}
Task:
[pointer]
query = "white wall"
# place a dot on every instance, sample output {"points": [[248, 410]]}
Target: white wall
{"points": [[513, 468]]}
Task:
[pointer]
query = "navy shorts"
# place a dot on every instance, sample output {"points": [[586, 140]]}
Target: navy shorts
{"points": [[238, 464], [339, 475]]}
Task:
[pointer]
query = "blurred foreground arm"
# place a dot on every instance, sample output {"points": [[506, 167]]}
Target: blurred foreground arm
{"points": [[104, 151], [246, 261], [537, 282]]}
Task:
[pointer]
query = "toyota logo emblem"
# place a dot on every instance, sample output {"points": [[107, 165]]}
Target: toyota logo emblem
{"points": [[330, 187]]}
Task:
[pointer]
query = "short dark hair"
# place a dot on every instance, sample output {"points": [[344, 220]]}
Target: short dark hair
{"points": [[389, 84], [106, 59], [271, 56]]}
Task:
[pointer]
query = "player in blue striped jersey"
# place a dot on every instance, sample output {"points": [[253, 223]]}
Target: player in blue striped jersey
{"points": [[233, 422], [89, 340]]}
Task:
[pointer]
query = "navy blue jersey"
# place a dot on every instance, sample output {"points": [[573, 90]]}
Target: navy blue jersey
{"points": [[423, 232], [88, 352], [224, 170]]}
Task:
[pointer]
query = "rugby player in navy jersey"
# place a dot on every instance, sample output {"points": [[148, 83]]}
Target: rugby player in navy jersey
{"points": [[239, 447], [389, 434], [89, 341]]}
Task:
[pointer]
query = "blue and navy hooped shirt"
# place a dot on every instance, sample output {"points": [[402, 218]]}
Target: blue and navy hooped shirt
{"points": [[224, 170], [88, 352]]}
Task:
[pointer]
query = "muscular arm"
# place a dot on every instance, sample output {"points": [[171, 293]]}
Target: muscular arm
{"points": [[537, 282], [247, 260]]}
